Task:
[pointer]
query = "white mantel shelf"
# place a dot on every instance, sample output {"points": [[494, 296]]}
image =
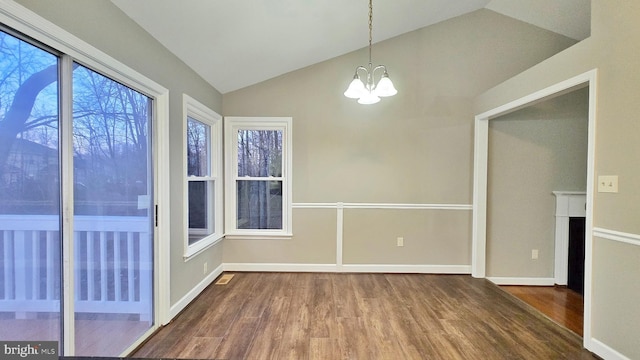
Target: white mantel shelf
{"points": [[568, 204]]}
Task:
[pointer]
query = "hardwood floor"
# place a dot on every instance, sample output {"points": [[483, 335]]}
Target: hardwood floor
{"points": [[562, 305], [360, 316]]}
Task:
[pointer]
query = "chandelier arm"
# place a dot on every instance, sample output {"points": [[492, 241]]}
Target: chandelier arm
{"points": [[361, 68], [373, 72], [379, 67]]}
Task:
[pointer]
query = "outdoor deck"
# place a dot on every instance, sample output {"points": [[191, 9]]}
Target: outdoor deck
{"points": [[112, 280]]}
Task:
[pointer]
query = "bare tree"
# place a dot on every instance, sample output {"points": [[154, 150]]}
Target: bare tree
{"points": [[15, 119], [110, 137], [110, 123], [259, 201]]}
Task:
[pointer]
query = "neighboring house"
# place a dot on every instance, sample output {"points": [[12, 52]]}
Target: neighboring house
{"points": [[27, 175], [27, 185], [29, 160]]}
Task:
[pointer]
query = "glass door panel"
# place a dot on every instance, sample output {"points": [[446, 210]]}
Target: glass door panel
{"points": [[113, 235], [30, 262]]}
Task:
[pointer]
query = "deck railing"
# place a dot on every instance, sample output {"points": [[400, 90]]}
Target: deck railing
{"points": [[112, 264]]}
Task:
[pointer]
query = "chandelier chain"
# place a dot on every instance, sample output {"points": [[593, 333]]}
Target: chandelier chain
{"points": [[370, 27]]}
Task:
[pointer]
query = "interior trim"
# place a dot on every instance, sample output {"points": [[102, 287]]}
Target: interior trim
{"points": [[627, 238], [522, 281], [349, 268], [192, 294], [605, 351], [416, 269], [389, 206]]}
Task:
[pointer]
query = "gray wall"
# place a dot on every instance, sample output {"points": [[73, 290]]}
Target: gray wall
{"points": [[532, 152], [613, 50], [103, 25], [414, 148]]}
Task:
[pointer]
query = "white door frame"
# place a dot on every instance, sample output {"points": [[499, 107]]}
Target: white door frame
{"points": [[479, 226]]}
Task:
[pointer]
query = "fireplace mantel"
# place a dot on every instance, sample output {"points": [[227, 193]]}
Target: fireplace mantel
{"points": [[568, 204]]}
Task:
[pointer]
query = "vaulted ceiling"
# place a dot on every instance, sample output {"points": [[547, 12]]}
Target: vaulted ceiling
{"points": [[237, 43]]}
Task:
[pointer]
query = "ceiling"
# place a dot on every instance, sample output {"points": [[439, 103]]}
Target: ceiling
{"points": [[236, 43]]}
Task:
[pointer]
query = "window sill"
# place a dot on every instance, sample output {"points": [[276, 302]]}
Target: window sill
{"points": [[202, 245], [279, 236]]}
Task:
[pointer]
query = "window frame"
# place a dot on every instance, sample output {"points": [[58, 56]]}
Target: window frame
{"points": [[232, 125], [193, 109]]}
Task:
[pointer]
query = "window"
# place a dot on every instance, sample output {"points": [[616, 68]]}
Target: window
{"points": [[258, 168], [203, 159]]}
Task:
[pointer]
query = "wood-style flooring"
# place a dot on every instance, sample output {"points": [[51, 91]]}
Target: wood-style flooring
{"points": [[360, 316], [562, 305]]}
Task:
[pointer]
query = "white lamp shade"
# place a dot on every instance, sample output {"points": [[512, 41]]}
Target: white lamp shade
{"points": [[368, 98], [385, 87], [355, 89]]}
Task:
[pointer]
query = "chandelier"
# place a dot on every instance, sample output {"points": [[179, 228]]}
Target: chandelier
{"points": [[367, 91]]}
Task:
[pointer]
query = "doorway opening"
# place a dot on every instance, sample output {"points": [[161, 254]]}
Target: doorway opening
{"points": [[479, 241], [537, 172]]}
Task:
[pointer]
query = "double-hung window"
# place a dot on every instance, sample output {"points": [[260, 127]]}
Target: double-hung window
{"points": [[258, 174], [203, 153]]}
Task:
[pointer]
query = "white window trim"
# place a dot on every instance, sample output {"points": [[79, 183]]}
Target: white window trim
{"points": [[232, 125], [192, 108]]}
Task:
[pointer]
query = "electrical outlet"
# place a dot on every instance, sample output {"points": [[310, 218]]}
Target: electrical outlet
{"points": [[534, 254], [204, 270], [400, 241]]}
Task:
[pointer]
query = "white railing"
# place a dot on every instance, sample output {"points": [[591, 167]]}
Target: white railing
{"points": [[112, 261]]}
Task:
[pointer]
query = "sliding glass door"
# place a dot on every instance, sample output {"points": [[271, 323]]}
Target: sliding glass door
{"points": [[30, 262], [112, 220], [108, 279]]}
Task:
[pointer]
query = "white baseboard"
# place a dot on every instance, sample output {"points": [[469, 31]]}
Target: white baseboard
{"points": [[417, 269], [355, 268], [191, 295], [522, 281], [599, 348], [271, 267]]}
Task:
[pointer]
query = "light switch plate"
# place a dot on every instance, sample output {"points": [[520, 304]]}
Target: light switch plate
{"points": [[608, 183]]}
